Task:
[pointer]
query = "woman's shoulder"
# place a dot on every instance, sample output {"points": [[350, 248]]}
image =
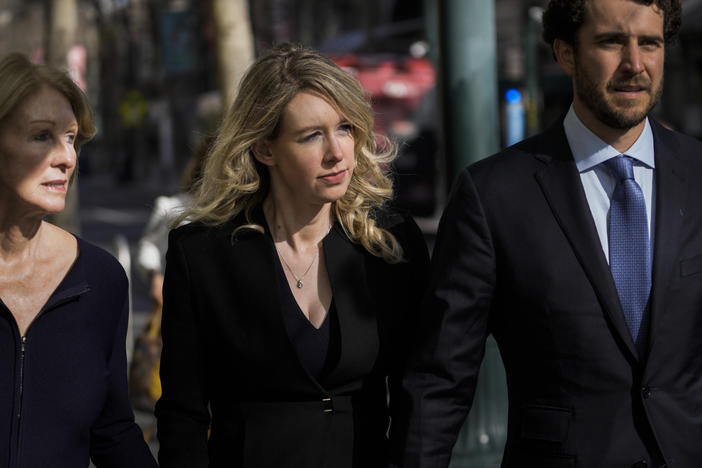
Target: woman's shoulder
{"points": [[104, 274], [78, 251], [394, 219], [400, 223], [97, 259], [199, 232]]}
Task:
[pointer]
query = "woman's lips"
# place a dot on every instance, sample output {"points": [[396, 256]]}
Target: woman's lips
{"points": [[334, 177], [55, 185]]}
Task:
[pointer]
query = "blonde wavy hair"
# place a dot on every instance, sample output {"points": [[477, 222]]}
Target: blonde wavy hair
{"points": [[233, 181]]}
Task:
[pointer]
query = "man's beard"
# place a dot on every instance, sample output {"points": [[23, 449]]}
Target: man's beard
{"points": [[618, 117]]}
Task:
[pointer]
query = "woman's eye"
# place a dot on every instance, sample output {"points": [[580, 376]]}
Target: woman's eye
{"points": [[41, 136], [346, 128], [71, 138], [311, 136]]}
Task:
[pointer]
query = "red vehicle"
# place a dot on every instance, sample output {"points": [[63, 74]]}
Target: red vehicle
{"points": [[395, 85], [401, 90]]}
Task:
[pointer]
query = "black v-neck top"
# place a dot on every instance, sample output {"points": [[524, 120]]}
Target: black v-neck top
{"points": [[317, 348]]}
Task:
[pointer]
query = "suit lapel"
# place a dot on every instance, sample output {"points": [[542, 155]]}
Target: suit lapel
{"points": [[355, 309], [562, 187], [670, 188]]}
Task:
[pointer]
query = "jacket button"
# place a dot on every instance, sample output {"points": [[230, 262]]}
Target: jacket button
{"points": [[327, 405], [640, 464], [646, 392]]}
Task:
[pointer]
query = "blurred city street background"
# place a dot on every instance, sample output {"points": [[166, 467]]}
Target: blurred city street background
{"points": [[110, 210], [451, 80]]}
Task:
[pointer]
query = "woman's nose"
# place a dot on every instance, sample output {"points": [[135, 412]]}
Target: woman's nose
{"points": [[64, 155], [334, 151]]}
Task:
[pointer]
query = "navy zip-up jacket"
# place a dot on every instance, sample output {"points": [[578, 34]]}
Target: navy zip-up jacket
{"points": [[63, 386]]}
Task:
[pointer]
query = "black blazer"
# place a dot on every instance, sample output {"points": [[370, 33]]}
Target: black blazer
{"points": [[518, 256], [226, 352]]}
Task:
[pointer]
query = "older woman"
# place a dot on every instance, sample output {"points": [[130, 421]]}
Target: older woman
{"points": [[63, 314], [287, 299]]}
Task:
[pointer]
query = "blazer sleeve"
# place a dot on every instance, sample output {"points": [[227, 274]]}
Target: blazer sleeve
{"points": [[115, 440], [182, 411], [409, 286], [442, 373]]}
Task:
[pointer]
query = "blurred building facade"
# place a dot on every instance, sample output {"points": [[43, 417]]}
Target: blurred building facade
{"points": [[150, 68]]}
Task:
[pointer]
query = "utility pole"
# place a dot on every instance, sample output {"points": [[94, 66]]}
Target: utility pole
{"points": [[470, 118], [468, 74], [235, 48], [531, 79], [63, 24]]}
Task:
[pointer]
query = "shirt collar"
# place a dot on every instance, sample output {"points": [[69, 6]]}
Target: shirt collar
{"points": [[589, 150]]}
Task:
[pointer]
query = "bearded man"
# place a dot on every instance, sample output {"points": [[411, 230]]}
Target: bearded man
{"points": [[580, 251]]}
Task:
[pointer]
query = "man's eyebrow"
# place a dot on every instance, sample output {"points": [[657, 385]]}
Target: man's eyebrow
{"points": [[652, 37], [622, 35]]}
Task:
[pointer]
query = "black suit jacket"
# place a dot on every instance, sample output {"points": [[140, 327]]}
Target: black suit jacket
{"points": [[226, 352], [518, 256]]}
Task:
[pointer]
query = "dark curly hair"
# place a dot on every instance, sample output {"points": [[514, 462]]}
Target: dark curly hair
{"points": [[563, 18]]}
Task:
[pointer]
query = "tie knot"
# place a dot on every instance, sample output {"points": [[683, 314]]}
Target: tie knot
{"points": [[622, 167]]}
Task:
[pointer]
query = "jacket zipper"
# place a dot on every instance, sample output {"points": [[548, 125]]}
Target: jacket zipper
{"points": [[21, 379], [23, 348]]}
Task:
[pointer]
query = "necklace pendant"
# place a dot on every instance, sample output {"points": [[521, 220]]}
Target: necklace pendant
{"points": [[299, 284]]}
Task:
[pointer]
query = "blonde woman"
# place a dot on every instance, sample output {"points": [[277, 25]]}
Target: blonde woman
{"points": [[287, 300]]}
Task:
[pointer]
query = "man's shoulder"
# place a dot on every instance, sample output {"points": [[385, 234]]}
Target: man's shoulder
{"points": [[524, 157], [668, 134], [685, 149]]}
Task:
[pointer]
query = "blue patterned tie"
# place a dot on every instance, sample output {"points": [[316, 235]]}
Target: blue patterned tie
{"points": [[629, 250]]}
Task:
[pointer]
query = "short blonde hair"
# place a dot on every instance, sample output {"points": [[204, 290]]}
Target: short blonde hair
{"points": [[233, 181], [20, 78]]}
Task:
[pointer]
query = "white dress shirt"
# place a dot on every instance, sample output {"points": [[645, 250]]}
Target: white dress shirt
{"points": [[589, 152]]}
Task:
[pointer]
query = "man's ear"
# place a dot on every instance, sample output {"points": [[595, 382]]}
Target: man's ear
{"points": [[565, 56], [262, 152]]}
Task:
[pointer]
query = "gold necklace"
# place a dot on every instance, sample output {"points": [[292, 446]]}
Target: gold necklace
{"points": [[300, 284]]}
